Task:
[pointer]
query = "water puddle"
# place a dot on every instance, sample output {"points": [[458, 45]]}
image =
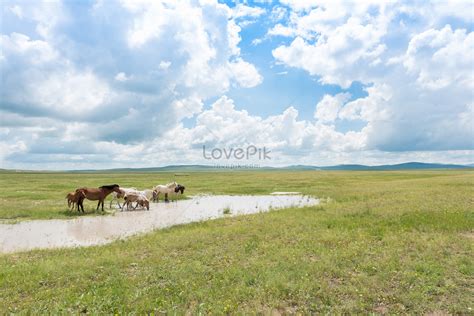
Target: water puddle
{"points": [[88, 231]]}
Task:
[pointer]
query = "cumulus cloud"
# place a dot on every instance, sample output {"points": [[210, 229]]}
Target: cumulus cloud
{"points": [[223, 125], [245, 73], [242, 10], [147, 85], [337, 54], [142, 67], [328, 108], [441, 57], [418, 85]]}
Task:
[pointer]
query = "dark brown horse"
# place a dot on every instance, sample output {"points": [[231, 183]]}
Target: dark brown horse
{"points": [[95, 194], [179, 188]]}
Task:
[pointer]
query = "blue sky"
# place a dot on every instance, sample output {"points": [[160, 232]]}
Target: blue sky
{"points": [[103, 84]]}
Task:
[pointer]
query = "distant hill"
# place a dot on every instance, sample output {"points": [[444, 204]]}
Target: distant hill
{"points": [[402, 166], [176, 168], [209, 168]]}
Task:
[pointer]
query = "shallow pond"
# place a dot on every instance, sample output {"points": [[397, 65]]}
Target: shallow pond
{"points": [[87, 231]]}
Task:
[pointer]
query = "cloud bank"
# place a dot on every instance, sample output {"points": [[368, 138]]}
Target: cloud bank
{"points": [[144, 83]]}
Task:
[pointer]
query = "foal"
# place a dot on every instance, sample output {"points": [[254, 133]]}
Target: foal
{"points": [[95, 194], [73, 198], [139, 198]]}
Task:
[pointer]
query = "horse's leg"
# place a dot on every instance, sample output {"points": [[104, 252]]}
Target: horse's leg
{"points": [[166, 197], [81, 205]]}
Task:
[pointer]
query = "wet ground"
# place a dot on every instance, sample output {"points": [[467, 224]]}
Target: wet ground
{"points": [[87, 231]]}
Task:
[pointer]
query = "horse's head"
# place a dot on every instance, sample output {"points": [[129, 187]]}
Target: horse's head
{"points": [[172, 184], [179, 188], [79, 194], [121, 194]]}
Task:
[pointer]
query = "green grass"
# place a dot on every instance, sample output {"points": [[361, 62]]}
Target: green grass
{"points": [[396, 242]]}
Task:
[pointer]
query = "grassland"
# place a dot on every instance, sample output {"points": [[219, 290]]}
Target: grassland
{"points": [[386, 242]]}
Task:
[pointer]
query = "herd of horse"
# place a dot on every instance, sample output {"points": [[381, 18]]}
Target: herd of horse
{"points": [[129, 195]]}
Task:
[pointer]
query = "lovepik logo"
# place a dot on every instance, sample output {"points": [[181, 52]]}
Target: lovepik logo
{"points": [[238, 153]]}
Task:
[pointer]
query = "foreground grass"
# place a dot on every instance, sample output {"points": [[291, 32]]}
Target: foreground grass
{"points": [[397, 242]]}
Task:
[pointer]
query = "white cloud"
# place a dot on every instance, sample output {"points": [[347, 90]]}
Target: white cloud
{"points": [[243, 11], [257, 41], [278, 13], [222, 125], [187, 107], [150, 20], [336, 56], [328, 108], [418, 79], [245, 73], [17, 10], [373, 107], [300, 5], [35, 51], [114, 87], [71, 91], [164, 65], [121, 77], [441, 57], [280, 30], [125, 91]]}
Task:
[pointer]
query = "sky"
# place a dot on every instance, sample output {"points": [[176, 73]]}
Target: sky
{"points": [[110, 84]]}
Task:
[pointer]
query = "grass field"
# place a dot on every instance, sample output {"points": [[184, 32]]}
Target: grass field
{"points": [[386, 242]]}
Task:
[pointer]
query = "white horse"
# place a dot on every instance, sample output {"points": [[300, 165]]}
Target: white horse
{"points": [[116, 196], [164, 189]]}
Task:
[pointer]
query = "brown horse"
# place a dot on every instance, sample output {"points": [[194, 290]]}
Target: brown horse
{"points": [[95, 194]]}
